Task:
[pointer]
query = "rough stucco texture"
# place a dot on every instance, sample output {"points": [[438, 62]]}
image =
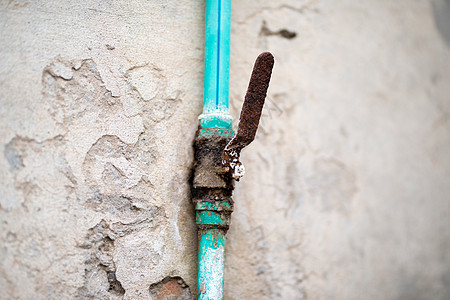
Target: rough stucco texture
{"points": [[347, 190]]}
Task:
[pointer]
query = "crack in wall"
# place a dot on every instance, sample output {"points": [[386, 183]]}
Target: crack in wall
{"points": [[100, 266], [284, 33], [113, 181]]}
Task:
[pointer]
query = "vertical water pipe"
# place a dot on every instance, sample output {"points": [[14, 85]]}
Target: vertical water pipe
{"points": [[212, 191], [216, 113], [212, 219], [217, 150]]}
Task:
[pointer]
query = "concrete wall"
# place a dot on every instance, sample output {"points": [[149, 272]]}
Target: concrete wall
{"points": [[347, 190]]}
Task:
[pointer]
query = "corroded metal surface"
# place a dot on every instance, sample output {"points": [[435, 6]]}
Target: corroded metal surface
{"points": [[208, 171], [250, 114], [213, 214]]}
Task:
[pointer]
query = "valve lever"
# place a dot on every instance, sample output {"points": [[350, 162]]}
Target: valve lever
{"points": [[250, 114]]}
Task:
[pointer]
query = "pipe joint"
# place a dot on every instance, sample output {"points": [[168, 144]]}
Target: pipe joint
{"points": [[213, 214]]}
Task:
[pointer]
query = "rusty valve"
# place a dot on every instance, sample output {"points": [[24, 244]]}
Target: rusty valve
{"points": [[250, 115]]}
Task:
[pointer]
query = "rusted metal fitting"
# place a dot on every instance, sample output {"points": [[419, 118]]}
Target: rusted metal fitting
{"points": [[213, 214], [208, 171], [212, 188], [250, 115], [231, 163]]}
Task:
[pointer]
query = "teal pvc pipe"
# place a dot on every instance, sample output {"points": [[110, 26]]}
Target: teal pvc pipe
{"points": [[212, 219], [211, 248], [217, 66]]}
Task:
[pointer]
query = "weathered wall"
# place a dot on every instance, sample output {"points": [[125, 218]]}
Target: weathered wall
{"points": [[347, 192]]}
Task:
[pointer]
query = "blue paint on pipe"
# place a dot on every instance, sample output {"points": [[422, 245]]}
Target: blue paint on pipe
{"points": [[213, 219], [217, 66], [211, 247]]}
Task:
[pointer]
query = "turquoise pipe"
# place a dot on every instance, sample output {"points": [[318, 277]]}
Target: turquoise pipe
{"points": [[216, 115], [211, 264], [212, 219]]}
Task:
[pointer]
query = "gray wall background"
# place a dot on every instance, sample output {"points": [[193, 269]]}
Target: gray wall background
{"points": [[347, 190]]}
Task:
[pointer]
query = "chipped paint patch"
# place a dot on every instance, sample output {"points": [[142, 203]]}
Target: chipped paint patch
{"points": [[211, 284]]}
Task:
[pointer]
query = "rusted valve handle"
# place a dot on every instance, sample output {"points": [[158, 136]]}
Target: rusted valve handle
{"points": [[250, 114]]}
